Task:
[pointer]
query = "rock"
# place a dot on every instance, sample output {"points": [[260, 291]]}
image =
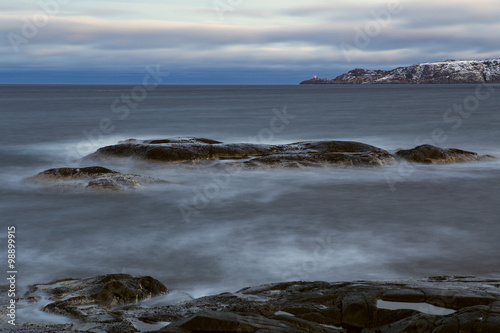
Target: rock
{"points": [[429, 154], [280, 307], [72, 297], [221, 321], [91, 178], [73, 173], [450, 71], [403, 295], [180, 150], [310, 153]]}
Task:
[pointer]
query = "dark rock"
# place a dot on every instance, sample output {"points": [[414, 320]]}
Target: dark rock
{"points": [[72, 297], [357, 311], [403, 295], [225, 322], [281, 307], [319, 153], [108, 184], [450, 71], [429, 154], [180, 150], [74, 173], [92, 178], [124, 327], [384, 317], [191, 140], [218, 322]]}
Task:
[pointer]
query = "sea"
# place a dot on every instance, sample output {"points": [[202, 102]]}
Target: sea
{"points": [[208, 231]]}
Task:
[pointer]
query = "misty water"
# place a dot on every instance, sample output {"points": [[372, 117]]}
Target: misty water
{"points": [[253, 226]]}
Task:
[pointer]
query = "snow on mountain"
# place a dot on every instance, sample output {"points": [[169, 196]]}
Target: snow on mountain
{"points": [[450, 71]]}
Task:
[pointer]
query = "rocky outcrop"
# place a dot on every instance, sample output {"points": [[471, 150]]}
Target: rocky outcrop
{"points": [[203, 152], [353, 307], [450, 71], [311, 153], [436, 304], [91, 178], [299, 154], [180, 150], [73, 297], [429, 154]]}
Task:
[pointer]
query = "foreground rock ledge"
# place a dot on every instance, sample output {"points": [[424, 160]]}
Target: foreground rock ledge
{"points": [[445, 304]]}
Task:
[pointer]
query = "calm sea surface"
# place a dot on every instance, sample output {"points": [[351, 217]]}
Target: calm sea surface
{"points": [[256, 226]]}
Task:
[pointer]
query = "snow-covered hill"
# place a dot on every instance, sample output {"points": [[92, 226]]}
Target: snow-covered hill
{"points": [[450, 71]]}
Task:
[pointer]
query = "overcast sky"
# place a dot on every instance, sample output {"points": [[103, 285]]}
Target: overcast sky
{"points": [[235, 41]]}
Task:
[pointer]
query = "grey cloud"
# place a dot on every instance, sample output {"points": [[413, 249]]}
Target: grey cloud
{"points": [[413, 36]]}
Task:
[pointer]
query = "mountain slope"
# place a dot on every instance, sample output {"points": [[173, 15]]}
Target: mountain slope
{"points": [[450, 71]]}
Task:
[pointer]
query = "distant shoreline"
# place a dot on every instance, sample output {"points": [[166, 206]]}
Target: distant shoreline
{"points": [[446, 72]]}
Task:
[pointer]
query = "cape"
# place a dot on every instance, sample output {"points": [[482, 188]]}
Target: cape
{"points": [[445, 72]]}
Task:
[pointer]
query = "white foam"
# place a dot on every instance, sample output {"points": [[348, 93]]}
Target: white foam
{"points": [[32, 313], [172, 298]]}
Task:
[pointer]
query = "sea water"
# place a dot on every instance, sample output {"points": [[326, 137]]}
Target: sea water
{"points": [[253, 226]]}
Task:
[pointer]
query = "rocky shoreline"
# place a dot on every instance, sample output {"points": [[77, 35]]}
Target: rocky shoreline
{"points": [[446, 72], [122, 303]]}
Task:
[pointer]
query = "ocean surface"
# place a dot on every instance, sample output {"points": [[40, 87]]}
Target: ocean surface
{"points": [[254, 226]]}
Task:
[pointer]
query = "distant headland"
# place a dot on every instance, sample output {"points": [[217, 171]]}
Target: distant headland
{"points": [[449, 71]]}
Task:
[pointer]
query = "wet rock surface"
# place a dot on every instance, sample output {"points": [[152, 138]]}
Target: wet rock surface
{"points": [[73, 297], [446, 304], [314, 153], [293, 155], [429, 154], [94, 178]]}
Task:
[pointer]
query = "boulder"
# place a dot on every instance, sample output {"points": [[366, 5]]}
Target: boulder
{"points": [[91, 178], [73, 173], [72, 297], [180, 150], [429, 154]]}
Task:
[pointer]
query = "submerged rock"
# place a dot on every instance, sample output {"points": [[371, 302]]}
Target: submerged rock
{"points": [[92, 178], [445, 304], [434, 155], [310, 153]]}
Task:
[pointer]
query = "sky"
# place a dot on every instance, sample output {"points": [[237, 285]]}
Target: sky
{"points": [[235, 41]]}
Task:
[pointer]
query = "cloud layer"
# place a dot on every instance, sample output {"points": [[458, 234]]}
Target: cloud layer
{"points": [[322, 37]]}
